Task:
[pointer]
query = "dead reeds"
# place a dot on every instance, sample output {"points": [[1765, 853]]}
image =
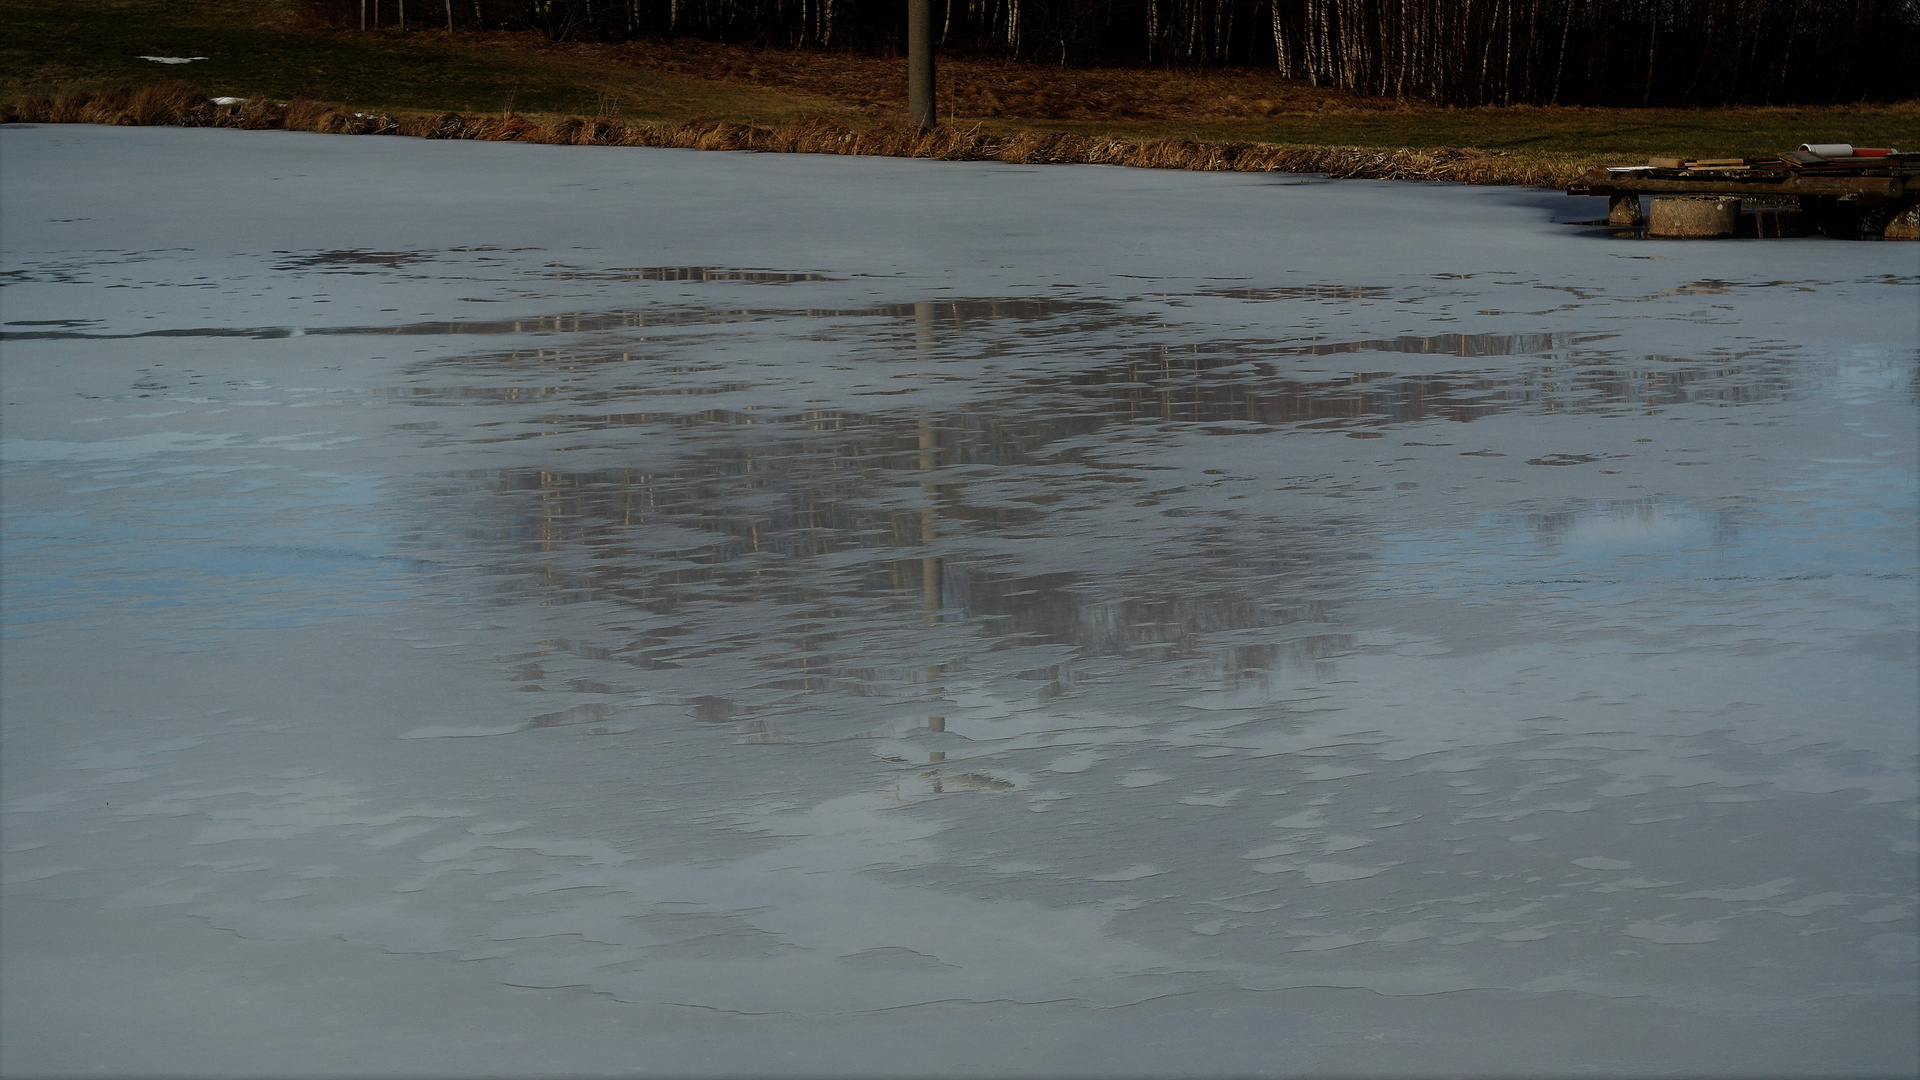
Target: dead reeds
{"points": [[183, 106]]}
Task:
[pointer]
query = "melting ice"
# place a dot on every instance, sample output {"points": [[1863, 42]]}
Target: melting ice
{"points": [[490, 608]]}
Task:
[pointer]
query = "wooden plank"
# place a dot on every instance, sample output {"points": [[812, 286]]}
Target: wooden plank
{"points": [[1794, 183]]}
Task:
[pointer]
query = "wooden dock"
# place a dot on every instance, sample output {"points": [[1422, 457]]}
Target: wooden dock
{"points": [[1860, 194]]}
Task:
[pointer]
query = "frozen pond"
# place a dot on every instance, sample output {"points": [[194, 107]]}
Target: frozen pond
{"points": [[495, 608]]}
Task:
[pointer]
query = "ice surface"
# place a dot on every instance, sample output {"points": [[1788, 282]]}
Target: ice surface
{"points": [[485, 608]]}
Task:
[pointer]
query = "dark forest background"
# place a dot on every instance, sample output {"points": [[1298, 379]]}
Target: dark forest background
{"points": [[1457, 52]]}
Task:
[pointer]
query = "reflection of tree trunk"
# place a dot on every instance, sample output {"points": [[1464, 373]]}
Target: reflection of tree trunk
{"points": [[930, 599], [929, 461]]}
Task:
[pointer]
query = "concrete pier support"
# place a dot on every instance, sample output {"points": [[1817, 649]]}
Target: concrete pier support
{"points": [[1905, 225], [1695, 217], [1625, 210]]}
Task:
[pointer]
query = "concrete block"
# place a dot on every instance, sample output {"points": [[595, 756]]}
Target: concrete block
{"points": [[1693, 217], [1905, 225]]}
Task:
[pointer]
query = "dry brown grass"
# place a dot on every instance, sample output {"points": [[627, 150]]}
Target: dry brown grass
{"points": [[981, 87], [181, 105]]}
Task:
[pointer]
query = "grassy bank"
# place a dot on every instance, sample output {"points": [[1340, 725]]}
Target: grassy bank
{"points": [[182, 105], [81, 59]]}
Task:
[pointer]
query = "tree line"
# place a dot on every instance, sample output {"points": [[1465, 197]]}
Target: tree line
{"points": [[1605, 52], [1458, 52]]}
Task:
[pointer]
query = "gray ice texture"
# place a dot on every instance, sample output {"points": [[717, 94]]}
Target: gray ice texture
{"points": [[494, 609]]}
